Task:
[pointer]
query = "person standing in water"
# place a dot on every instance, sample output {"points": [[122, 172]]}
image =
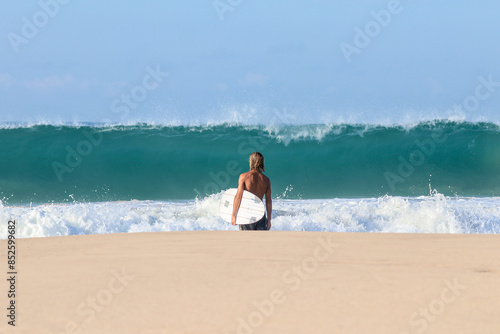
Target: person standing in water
{"points": [[259, 185]]}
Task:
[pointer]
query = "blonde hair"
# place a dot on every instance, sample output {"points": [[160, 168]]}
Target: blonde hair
{"points": [[257, 162]]}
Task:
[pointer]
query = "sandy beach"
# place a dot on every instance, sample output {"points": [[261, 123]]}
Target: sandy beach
{"points": [[255, 282]]}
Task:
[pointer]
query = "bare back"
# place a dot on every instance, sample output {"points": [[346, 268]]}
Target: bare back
{"points": [[259, 185], [256, 183]]}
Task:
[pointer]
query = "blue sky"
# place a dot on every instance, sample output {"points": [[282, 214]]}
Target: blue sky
{"points": [[249, 60]]}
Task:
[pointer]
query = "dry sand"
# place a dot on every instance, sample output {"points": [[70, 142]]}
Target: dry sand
{"points": [[255, 282]]}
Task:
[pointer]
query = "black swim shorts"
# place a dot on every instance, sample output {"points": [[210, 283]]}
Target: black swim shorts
{"points": [[260, 225]]}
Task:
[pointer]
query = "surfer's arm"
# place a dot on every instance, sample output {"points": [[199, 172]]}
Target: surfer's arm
{"points": [[269, 206], [237, 199]]}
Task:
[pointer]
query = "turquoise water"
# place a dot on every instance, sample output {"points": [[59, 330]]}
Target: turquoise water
{"points": [[96, 163]]}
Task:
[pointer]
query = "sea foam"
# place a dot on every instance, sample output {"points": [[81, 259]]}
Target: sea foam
{"points": [[429, 214]]}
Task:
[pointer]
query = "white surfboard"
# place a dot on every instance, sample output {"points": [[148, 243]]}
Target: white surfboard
{"points": [[251, 209]]}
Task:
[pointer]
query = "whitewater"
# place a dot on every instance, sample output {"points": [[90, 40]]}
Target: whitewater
{"points": [[439, 176], [427, 214]]}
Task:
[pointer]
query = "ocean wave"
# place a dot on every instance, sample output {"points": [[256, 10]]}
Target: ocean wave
{"points": [[48, 163], [245, 121]]}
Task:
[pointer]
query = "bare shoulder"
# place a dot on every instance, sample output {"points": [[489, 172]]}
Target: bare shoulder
{"points": [[245, 176]]}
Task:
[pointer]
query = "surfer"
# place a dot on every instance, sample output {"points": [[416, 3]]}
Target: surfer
{"points": [[259, 185]]}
